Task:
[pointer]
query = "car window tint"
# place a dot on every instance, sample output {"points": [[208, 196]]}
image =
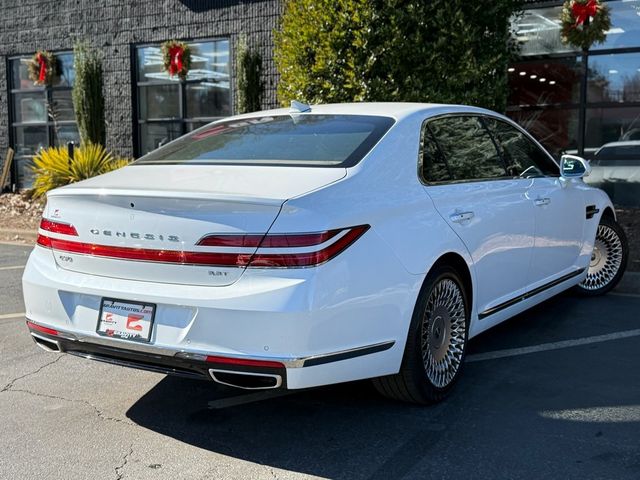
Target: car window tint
{"points": [[294, 140], [466, 147], [434, 166], [523, 157]]}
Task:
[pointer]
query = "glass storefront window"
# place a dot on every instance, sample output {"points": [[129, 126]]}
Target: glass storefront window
{"points": [[538, 29], [614, 78], [612, 138], [555, 129], [625, 25], [169, 108], [611, 125], [545, 82], [40, 116], [538, 32]]}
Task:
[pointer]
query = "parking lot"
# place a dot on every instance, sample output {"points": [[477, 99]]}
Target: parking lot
{"points": [[553, 393]]}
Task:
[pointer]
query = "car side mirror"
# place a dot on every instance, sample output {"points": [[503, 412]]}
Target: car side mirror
{"points": [[572, 166]]}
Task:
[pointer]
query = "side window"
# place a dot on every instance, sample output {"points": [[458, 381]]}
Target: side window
{"points": [[459, 148], [524, 158], [434, 166]]}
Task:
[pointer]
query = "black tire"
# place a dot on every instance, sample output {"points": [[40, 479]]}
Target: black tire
{"points": [[415, 383], [609, 259]]}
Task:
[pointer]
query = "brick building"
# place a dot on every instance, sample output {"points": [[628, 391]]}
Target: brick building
{"points": [[144, 107]]}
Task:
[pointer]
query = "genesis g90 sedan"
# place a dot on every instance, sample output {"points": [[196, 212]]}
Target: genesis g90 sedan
{"points": [[314, 245]]}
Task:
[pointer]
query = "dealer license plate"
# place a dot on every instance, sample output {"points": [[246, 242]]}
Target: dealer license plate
{"points": [[126, 320]]}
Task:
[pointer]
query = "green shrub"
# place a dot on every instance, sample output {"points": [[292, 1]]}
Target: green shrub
{"points": [[53, 168], [250, 86], [88, 100], [444, 51]]}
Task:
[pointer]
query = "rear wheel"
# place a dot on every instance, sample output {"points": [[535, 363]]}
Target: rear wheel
{"points": [[436, 344], [608, 260]]}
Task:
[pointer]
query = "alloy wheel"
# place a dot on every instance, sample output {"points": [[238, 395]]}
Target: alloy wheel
{"points": [[443, 332], [606, 259]]}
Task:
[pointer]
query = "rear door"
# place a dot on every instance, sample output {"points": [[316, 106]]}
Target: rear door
{"points": [[559, 206], [490, 211]]}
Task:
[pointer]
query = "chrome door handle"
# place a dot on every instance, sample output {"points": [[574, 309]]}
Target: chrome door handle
{"points": [[461, 217], [540, 202]]}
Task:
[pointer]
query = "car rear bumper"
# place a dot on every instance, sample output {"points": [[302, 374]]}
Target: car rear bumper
{"points": [[265, 372], [351, 329]]}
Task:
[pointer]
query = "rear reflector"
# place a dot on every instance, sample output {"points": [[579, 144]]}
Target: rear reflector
{"points": [[40, 328], [261, 259], [244, 362], [58, 227]]}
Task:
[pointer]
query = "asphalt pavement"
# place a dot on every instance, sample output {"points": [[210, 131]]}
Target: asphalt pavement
{"points": [[553, 393]]}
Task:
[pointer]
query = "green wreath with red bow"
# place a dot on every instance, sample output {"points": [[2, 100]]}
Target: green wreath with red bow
{"points": [[584, 22], [176, 57], [42, 67]]}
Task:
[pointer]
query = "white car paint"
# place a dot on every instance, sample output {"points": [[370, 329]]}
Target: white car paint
{"points": [[363, 297]]}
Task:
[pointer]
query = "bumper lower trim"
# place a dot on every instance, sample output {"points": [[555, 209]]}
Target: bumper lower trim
{"points": [[76, 342]]}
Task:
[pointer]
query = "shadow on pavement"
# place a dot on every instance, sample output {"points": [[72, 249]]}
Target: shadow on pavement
{"points": [[571, 413]]}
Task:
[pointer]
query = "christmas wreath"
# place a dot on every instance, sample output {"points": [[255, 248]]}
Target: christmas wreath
{"points": [[176, 57], [584, 22], [42, 68]]}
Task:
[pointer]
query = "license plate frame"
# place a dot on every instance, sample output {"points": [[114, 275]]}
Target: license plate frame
{"points": [[118, 307]]}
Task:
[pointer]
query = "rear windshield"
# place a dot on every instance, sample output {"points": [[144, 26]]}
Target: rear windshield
{"points": [[296, 139]]}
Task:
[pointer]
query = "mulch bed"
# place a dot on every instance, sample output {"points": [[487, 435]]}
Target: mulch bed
{"points": [[19, 212]]}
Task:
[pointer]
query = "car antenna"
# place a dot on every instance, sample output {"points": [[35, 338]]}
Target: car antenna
{"points": [[299, 107]]}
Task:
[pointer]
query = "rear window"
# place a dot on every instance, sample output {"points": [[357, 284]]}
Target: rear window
{"points": [[292, 140]]}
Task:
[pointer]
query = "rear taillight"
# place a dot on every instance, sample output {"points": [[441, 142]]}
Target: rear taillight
{"points": [[58, 227], [332, 243], [273, 250]]}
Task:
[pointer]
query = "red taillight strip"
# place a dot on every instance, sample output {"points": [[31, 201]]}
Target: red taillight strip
{"points": [[44, 241], [287, 240], [148, 255], [58, 227], [244, 362], [222, 259], [40, 328], [308, 259]]}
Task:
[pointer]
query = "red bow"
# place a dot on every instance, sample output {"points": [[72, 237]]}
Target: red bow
{"points": [[582, 11], [43, 68], [175, 63]]}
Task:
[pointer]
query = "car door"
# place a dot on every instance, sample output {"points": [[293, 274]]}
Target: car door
{"points": [[559, 206], [490, 211]]}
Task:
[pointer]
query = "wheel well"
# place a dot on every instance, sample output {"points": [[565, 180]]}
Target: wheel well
{"points": [[460, 265], [608, 213]]}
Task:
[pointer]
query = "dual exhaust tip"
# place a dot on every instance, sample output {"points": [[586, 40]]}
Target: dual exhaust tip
{"points": [[246, 380]]}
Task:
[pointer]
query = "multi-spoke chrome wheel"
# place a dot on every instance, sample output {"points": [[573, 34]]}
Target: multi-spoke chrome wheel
{"points": [[443, 333], [434, 353], [606, 259]]}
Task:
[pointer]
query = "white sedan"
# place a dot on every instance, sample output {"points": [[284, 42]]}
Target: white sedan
{"points": [[314, 245]]}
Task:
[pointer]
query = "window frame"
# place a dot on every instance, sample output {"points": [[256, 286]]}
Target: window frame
{"points": [[497, 146], [47, 94], [181, 119]]}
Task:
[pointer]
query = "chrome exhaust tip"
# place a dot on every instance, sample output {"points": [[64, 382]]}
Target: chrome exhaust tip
{"points": [[246, 380], [46, 344]]}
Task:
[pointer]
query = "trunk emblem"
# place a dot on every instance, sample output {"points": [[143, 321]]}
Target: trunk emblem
{"points": [[135, 235]]}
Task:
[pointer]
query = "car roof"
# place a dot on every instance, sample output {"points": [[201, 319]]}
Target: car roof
{"points": [[396, 110]]}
